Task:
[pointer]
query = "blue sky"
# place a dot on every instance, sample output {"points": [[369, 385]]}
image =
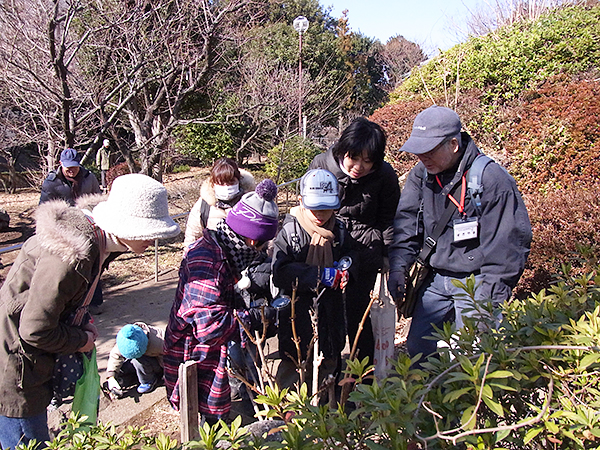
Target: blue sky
{"points": [[432, 24]]}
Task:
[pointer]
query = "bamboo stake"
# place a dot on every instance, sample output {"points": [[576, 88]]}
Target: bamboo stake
{"points": [[263, 363], [317, 354], [317, 359]]}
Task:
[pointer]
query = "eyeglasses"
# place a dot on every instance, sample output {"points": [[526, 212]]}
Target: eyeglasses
{"points": [[431, 152]]}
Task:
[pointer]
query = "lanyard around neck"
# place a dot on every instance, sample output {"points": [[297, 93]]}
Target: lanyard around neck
{"points": [[463, 190]]}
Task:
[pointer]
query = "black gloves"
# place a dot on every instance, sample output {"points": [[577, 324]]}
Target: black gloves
{"points": [[397, 285], [255, 317]]}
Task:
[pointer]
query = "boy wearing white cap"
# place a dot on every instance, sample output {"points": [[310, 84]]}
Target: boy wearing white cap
{"points": [[311, 242], [43, 302]]}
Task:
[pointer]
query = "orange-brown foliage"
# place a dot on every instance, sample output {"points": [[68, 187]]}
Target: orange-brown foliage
{"points": [[555, 138], [397, 120], [116, 171], [561, 220]]}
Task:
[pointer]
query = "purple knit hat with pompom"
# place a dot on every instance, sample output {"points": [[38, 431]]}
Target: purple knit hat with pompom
{"points": [[255, 216]]}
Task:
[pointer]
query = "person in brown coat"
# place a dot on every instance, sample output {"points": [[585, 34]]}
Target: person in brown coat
{"points": [[48, 284]]}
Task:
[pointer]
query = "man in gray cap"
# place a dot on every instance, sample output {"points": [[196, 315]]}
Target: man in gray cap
{"points": [[487, 235]]}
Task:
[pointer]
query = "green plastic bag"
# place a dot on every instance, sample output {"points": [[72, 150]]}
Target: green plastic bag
{"points": [[87, 391]]}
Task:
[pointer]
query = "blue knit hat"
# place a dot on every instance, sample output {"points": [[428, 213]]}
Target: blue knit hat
{"points": [[132, 341]]}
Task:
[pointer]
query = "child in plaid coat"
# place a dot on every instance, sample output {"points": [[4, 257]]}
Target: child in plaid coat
{"points": [[203, 316]]}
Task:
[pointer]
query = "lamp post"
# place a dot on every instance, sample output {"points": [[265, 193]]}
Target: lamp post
{"points": [[300, 25]]}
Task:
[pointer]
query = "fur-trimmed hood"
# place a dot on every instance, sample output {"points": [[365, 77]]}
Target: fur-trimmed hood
{"points": [[64, 230], [90, 200], [207, 190]]}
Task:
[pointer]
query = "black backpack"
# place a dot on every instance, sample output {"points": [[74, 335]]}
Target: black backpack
{"points": [[204, 212]]}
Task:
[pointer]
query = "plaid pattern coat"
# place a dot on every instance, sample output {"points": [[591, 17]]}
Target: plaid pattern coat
{"points": [[201, 322]]}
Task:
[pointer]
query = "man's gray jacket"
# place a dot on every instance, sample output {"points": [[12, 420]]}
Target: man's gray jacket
{"points": [[498, 253]]}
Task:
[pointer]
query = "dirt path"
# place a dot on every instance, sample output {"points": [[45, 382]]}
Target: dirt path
{"points": [[149, 302], [183, 188], [20, 208]]}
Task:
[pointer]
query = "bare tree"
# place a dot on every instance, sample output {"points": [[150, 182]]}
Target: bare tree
{"points": [[18, 135], [267, 94], [399, 57], [494, 14], [28, 53], [167, 52], [81, 67]]}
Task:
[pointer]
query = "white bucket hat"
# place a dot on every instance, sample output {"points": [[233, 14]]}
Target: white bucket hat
{"points": [[136, 209]]}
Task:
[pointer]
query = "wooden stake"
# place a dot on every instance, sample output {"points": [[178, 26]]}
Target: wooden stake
{"points": [[188, 401]]}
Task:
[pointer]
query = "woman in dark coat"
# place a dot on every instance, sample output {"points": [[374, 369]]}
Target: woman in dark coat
{"points": [[369, 193]]}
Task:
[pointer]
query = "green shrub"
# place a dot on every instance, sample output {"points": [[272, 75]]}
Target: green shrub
{"points": [[512, 59], [526, 376], [105, 436], [290, 159], [532, 382], [204, 142], [181, 168]]}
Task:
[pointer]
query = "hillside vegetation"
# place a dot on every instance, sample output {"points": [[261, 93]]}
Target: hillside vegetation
{"points": [[529, 94]]}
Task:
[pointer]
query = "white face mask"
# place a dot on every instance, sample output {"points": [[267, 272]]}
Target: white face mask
{"points": [[226, 192]]}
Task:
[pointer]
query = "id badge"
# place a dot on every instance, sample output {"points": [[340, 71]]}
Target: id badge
{"points": [[465, 229]]}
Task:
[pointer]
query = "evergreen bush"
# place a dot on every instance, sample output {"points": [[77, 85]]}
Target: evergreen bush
{"points": [[204, 142], [290, 159], [512, 59]]}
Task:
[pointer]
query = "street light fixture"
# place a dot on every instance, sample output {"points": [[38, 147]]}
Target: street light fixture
{"points": [[300, 25]]}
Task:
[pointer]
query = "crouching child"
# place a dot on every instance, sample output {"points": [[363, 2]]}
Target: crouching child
{"points": [[139, 351]]}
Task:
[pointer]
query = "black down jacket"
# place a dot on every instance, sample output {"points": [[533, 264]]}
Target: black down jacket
{"points": [[368, 206], [290, 252]]}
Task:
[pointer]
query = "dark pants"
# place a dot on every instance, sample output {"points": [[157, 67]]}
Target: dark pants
{"points": [[241, 361], [358, 296], [97, 298], [147, 369]]}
